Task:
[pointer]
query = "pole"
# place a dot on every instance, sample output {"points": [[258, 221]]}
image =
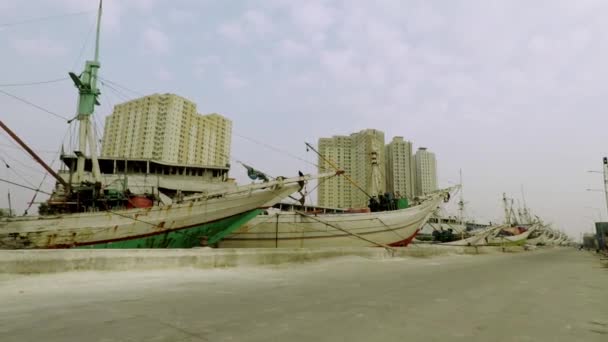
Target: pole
{"points": [[10, 205], [34, 155]]}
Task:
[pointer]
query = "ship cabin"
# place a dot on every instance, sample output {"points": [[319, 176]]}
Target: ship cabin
{"points": [[141, 176]]}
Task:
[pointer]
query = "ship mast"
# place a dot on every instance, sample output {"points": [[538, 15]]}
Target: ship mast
{"points": [[507, 213], [520, 213], [527, 215], [461, 202], [86, 83], [512, 213], [461, 207]]}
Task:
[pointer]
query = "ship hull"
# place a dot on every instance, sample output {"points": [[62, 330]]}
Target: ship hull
{"points": [[480, 239], [515, 240], [176, 225], [296, 230], [180, 238]]}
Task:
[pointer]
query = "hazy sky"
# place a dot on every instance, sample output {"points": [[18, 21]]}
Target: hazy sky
{"points": [[509, 91]]}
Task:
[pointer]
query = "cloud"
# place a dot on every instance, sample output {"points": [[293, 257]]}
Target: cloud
{"points": [[155, 40], [202, 64], [178, 16], [234, 82], [232, 31], [7, 7], [112, 13], [113, 10], [258, 21], [312, 16], [142, 5], [341, 65], [164, 74], [39, 47], [251, 24], [290, 48]]}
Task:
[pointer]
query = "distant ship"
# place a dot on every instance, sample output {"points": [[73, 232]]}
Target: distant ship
{"points": [[94, 206]]}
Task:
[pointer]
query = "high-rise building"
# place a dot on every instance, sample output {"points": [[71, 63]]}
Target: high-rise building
{"points": [[400, 168], [426, 171], [367, 165], [361, 155], [335, 191], [167, 127]]}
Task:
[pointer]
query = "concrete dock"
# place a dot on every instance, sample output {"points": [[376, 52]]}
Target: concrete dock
{"points": [[546, 295], [66, 260]]}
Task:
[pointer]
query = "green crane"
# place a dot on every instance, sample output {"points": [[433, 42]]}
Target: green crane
{"points": [[86, 83]]}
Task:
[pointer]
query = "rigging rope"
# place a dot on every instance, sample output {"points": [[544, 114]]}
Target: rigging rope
{"points": [[36, 192], [319, 182], [388, 248], [22, 186], [116, 91], [33, 83], [276, 149], [44, 178], [29, 167], [37, 150], [50, 17], [15, 172], [108, 101], [84, 45], [121, 86], [34, 105]]}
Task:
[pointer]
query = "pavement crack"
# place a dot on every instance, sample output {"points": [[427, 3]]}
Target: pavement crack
{"points": [[184, 331]]}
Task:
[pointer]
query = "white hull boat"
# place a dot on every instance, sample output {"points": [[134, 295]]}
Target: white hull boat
{"points": [[177, 225], [519, 239], [479, 239], [289, 229]]}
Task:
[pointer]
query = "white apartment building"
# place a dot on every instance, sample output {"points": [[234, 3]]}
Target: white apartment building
{"points": [[400, 168], [426, 171], [361, 155], [335, 191], [167, 128]]}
